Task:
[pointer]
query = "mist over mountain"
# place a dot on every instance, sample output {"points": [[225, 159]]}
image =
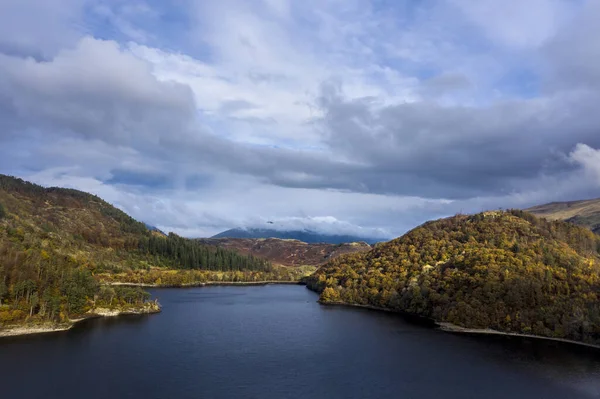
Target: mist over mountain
{"points": [[307, 236]]}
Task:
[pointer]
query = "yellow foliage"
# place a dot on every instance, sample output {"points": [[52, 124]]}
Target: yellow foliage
{"points": [[503, 270]]}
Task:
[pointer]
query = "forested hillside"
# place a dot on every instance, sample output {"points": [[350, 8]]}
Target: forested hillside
{"points": [[55, 243], [508, 271]]}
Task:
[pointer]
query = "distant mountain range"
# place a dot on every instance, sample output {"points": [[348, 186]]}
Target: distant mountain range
{"points": [[583, 213], [308, 236]]}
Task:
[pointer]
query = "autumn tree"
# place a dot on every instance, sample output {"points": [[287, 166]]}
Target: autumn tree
{"points": [[505, 270]]}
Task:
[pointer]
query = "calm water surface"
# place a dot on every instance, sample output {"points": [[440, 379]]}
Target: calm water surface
{"points": [[277, 342]]}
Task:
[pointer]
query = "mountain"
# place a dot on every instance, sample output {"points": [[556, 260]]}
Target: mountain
{"points": [[508, 271], [287, 252], [307, 236], [57, 245], [584, 213]]}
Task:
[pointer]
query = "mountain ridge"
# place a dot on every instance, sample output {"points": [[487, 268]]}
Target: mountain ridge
{"points": [[581, 212], [308, 236]]}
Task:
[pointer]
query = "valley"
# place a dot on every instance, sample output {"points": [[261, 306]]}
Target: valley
{"points": [[64, 254], [287, 252]]}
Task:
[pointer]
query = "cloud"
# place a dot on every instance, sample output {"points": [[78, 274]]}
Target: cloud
{"points": [[125, 18], [322, 224], [445, 83], [589, 159], [39, 28], [455, 151], [339, 115], [573, 56], [95, 90], [523, 24]]}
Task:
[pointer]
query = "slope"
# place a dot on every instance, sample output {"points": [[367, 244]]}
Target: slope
{"points": [[57, 245], [583, 213], [287, 252], [508, 271]]}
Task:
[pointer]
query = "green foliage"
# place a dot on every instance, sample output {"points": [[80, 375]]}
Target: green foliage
{"points": [[57, 240], [79, 287], [2, 211], [509, 271], [330, 295], [190, 254]]}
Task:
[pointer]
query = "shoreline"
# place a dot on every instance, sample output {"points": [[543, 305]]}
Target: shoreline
{"points": [[356, 305], [412, 317], [454, 329], [43, 328], [203, 284]]}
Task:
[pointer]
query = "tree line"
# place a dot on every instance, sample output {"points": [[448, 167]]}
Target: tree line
{"points": [[190, 254]]}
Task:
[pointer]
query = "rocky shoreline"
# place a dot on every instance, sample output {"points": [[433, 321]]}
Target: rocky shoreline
{"points": [[452, 328], [42, 328]]}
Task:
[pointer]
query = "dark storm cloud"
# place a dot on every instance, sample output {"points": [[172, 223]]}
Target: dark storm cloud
{"points": [[442, 151]]}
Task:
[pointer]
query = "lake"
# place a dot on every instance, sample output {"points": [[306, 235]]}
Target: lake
{"points": [[276, 342]]}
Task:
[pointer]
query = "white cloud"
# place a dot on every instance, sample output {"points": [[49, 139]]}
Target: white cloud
{"points": [[335, 115], [40, 28], [589, 159], [573, 56], [520, 24]]}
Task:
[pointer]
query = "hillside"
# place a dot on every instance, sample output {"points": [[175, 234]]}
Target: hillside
{"points": [[583, 213], [308, 236], [287, 252], [508, 271], [58, 245]]}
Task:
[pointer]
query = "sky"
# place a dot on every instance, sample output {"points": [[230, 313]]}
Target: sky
{"points": [[363, 117]]}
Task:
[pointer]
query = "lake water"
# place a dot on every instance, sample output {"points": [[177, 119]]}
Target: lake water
{"points": [[277, 342]]}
